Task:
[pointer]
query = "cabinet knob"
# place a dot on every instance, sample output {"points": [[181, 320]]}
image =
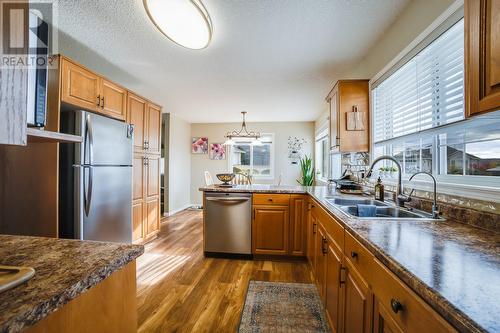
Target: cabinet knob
{"points": [[396, 305], [354, 254], [270, 199], [323, 246], [102, 100], [99, 100]]}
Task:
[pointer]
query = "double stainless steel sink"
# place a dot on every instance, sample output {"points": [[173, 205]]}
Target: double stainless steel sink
{"points": [[383, 210]]}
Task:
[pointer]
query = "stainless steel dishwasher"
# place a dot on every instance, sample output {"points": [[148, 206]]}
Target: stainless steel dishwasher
{"points": [[228, 224]]}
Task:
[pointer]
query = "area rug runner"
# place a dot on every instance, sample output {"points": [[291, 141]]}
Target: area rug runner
{"points": [[282, 307]]}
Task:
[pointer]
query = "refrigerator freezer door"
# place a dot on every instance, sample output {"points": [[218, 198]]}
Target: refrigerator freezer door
{"points": [[106, 141], [105, 201]]}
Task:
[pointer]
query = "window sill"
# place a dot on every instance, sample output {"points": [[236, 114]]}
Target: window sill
{"points": [[485, 193]]}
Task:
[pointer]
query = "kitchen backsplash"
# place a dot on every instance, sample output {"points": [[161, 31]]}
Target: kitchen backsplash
{"points": [[480, 213]]}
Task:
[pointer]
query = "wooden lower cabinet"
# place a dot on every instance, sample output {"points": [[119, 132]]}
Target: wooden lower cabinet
{"points": [[152, 218], [145, 197], [311, 240], [334, 286], [382, 321], [270, 230], [359, 293], [358, 302], [320, 272], [298, 219], [137, 218]]}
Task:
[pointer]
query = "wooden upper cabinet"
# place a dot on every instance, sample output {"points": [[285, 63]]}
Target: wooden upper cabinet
{"points": [[136, 116], [113, 100], [482, 56], [270, 230], [349, 130], [80, 87], [84, 89], [153, 143]]}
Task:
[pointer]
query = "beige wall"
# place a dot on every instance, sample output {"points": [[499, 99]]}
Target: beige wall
{"points": [[282, 130], [179, 164], [414, 19]]}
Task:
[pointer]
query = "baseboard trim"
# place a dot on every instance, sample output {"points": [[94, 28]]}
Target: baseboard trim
{"points": [[175, 211]]}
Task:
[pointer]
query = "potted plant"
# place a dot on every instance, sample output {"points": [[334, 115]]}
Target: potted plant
{"points": [[381, 172], [307, 171]]}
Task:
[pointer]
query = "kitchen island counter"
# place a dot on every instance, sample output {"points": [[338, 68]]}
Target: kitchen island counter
{"points": [[64, 269]]}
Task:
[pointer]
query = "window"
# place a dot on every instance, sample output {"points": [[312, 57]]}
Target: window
{"points": [[321, 154], [426, 92], [418, 115], [255, 160]]}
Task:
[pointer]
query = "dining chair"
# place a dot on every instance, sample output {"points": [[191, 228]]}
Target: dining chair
{"points": [[241, 178]]}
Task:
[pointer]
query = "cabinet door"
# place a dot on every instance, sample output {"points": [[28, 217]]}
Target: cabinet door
{"points": [[298, 216], [270, 230], [113, 100], [138, 177], [321, 244], [152, 218], [482, 56], [382, 321], [358, 303], [137, 220], [334, 290], [334, 119], [80, 87], [136, 115], [153, 144], [311, 241], [153, 176]]}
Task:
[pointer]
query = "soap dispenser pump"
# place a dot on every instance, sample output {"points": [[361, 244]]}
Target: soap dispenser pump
{"points": [[379, 190]]}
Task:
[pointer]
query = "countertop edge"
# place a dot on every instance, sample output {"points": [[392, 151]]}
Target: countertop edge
{"points": [[43, 309], [441, 305]]}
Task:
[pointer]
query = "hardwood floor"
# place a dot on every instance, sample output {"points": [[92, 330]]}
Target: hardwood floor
{"points": [[179, 290]]}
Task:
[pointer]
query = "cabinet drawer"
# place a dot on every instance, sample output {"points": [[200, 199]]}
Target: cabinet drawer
{"points": [[359, 257], [271, 199], [408, 310]]}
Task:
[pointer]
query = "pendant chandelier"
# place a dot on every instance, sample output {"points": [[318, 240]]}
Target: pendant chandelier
{"points": [[242, 135]]}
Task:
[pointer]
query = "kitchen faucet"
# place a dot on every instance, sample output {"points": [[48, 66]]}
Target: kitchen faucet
{"points": [[400, 197], [435, 211]]}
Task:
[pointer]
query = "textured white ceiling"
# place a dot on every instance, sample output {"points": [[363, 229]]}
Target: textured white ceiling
{"points": [[276, 59]]}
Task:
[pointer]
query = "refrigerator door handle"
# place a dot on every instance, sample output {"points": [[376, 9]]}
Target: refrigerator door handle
{"points": [[87, 190], [89, 134]]}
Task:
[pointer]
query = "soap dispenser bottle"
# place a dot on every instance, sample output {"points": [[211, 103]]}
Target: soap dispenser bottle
{"points": [[379, 190]]}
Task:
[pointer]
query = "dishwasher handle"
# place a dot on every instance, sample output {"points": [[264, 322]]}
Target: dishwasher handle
{"points": [[227, 200]]}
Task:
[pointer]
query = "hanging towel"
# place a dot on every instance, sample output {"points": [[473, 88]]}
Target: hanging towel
{"points": [[367, 210]]}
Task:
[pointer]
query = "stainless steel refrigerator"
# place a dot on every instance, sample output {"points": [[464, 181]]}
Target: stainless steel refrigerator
{"points": [[96, 179]]}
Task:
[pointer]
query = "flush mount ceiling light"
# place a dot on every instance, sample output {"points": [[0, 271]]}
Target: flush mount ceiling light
{"points": [[185, 22], [243, 134]]}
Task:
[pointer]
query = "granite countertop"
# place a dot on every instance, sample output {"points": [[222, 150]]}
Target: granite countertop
{"points": [[453, 266], [63, 270], [257, 188]]}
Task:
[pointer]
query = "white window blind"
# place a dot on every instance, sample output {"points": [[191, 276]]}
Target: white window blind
{"points": [[426, 92]]}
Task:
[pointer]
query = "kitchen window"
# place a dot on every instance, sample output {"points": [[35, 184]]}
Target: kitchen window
{"points": [[418, 114], [321, 156], [254, 160]]}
